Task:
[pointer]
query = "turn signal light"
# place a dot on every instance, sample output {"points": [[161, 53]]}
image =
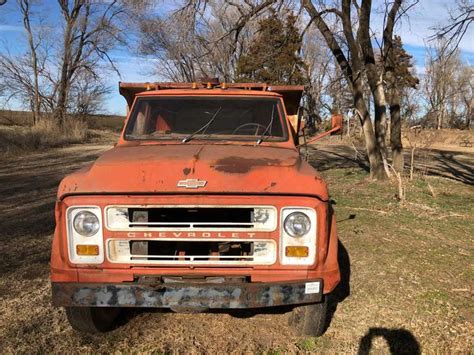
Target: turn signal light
{"points": [[297, 252], [87, 249]]}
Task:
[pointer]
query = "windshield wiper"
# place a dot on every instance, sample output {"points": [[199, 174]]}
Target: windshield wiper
{"points": [[262, 137], [203, 128]]}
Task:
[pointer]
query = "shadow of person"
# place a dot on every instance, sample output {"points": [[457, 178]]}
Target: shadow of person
{"points": [[400, 341]]}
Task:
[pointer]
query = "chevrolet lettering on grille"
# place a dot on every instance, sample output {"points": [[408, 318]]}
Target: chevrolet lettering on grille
{"points": [[191, 183], [191, 234]]}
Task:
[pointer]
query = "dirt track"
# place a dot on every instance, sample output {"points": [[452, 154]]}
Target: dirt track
{"points": [[29, 324], [452, 163]]}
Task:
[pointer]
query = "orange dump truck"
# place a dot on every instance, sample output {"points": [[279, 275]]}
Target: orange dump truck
{"points": [[204, 203]]}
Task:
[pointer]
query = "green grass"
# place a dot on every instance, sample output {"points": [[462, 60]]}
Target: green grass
{"points": [[411, 262]]}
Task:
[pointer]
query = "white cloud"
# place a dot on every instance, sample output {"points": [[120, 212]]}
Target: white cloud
{"points": [[10, 28]]}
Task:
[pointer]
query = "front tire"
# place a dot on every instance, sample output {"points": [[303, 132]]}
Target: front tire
{"points": [[309, 320], [93, 319]]}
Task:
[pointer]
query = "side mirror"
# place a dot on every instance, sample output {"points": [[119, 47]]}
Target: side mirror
{"points": [[336, 128], [336, 124]]}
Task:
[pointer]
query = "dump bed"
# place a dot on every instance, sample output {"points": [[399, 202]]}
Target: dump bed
{"points": [[291, 93]]}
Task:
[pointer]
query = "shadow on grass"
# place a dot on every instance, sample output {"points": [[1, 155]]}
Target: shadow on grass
{"points": [[449, 164], [452, 166], [400, 341], [343, 290], [335, 157]]}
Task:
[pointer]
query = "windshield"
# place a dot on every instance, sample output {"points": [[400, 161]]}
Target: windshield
{"points": [[187, 118]]}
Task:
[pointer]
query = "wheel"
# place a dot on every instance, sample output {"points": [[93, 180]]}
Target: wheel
{"points": [[92, 319], [310, 319]]}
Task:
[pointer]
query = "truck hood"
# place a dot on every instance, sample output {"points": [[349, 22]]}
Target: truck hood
{"points": [[230, 169]]}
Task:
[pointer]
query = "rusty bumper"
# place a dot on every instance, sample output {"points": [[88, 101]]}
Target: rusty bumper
{"points": [[206, 296]]}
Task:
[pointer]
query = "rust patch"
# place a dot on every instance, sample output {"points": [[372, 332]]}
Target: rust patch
{"points": [[186, 171], [239, 165], [226, 295], [196, 156], [270, 186]]}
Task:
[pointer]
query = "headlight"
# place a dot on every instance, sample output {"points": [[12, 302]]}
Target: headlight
{"points": [[86, 223], [297, 224]]}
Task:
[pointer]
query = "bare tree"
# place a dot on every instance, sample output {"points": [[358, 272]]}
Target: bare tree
{"points": [[398, 78], [319, 67], [86, 95], [208, 42], [446, 86], [459, 23], [90, 32], [65, 75], [360, 59], [20, 74], [24, 6], [468, 98], [410, 104], [17, 79], [373, 72]]}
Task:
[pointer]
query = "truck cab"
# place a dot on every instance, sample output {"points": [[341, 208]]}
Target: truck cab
{"points": [[204, 203]]}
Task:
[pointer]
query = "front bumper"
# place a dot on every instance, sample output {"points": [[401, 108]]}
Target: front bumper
{"points": [[188, 295]]}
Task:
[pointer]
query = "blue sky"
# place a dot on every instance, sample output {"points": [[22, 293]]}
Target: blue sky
{"points": [[414, 30]]}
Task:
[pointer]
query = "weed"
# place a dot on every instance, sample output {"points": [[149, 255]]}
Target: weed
{"points": [[306, 344]]}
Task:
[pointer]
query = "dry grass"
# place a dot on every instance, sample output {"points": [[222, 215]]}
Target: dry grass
{"points": [[408, 275], [24, 118], [43, 135]]}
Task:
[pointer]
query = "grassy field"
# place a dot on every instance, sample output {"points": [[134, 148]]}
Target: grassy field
{"points": [[410, 279], [407, 272], [25, 118], [16, 140], [17, 134]]}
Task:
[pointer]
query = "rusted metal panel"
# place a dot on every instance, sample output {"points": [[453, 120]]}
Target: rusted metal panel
{"points": [[182, 295], [230, 169]]}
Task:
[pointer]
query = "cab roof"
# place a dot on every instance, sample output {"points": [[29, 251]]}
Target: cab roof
{"points": [[213, 91]]}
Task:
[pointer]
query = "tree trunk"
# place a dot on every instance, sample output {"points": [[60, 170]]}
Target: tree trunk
{"points": [[396, 132], [352, 71], [63, 84], [377, 170], [380, 119], [470, 114], [25, 9], [440, 116], [374, 78], [69, 58]]}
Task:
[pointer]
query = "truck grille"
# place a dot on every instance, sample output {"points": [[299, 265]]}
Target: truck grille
{"points": [[192, 252], [205, 218]]}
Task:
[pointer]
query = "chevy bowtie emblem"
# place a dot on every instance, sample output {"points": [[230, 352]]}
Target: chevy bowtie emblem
{"points": [[192, 183]]}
